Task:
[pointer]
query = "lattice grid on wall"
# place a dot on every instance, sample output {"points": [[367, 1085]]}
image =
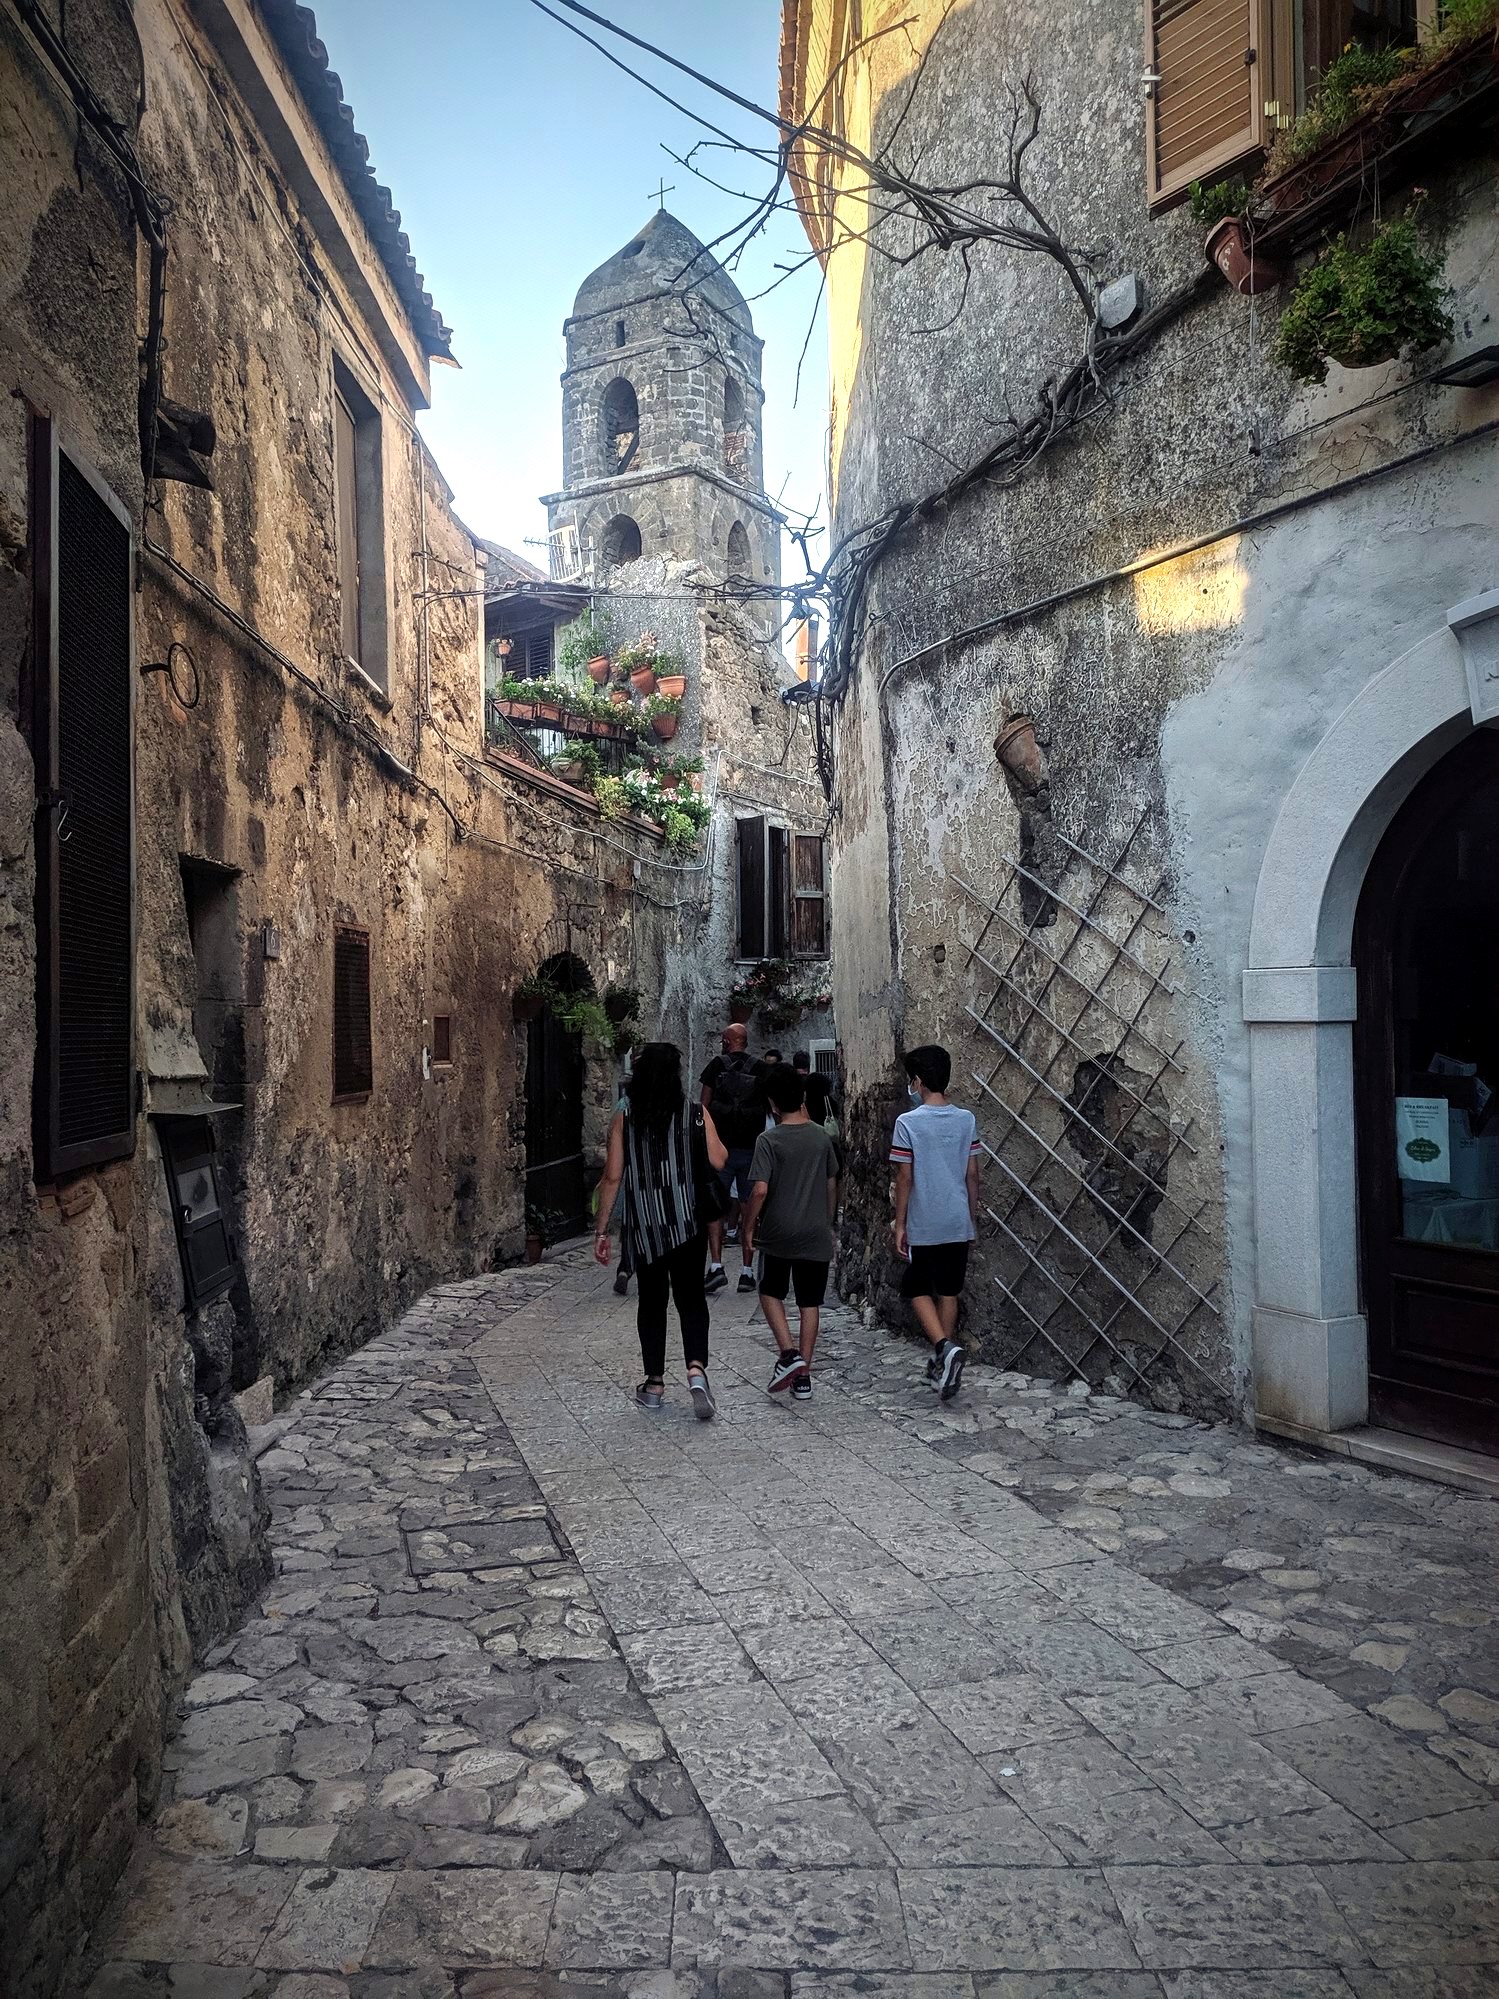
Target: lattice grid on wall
{"points": [[1102, 1215]]}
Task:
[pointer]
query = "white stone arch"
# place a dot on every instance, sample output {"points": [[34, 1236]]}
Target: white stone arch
{"points": [[1311, 1355]]}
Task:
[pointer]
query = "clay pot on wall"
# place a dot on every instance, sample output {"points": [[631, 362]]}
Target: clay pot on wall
{"points": [[663, 727], [534, 1248], [739, 1013], [643, 681], [1228, 247], [672, 685], [1017, 749], [620, 696], [598, 669]]}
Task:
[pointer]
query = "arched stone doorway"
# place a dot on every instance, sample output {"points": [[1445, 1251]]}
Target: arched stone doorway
{"points": [[1426, 1073], [1310, 1334], [556, 1077]]}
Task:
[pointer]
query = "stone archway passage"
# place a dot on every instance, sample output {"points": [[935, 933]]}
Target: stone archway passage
{"points": [[1311, 1362]]}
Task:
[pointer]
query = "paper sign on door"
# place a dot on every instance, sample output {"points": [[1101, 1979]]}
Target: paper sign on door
{"points": [[1422, 1147]]}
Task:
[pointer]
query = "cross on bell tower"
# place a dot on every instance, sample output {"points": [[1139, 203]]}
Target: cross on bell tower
{"points": [[662, 192]]}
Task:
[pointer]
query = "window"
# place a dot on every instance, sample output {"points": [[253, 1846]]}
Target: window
{"points": [[353, 1064], [621, 417], [738, 554], [442, 1039], [82, 677], [1220, 73], [782, 891], [619, 333], [621, 542], [203, 1239], [735, 429], [359, 527]]}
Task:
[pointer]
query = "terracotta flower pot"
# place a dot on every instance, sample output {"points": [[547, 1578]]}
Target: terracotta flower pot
{"points": [[672, 685], [1228, 247], [1017, 749], [643, 681], [598, 669], [663, 727], [620, 696], [668, 780], [534, 1248], [739, 1013]]}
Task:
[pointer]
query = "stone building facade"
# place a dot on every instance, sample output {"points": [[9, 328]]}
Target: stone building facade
{"points": [[266, 892], [1233, 639], [664, 516]]}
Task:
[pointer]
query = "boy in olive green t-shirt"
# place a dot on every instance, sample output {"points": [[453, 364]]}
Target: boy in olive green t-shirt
{"points": [[793, 1201]]}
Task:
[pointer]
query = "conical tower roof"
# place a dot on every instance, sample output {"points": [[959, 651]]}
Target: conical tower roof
{"points": [[663, 255]]}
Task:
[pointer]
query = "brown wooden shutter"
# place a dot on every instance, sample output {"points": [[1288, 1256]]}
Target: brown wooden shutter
{"points": [[751, 868], [778, 943], [809, 922], [353, 1064], [84, 1105], [1206, 110], [346, 508]]}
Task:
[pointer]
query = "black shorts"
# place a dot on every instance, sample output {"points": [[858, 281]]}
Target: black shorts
{"points": [[936, 1270], [778, 1274]]}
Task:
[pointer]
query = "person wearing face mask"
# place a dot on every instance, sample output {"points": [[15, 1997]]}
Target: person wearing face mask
{"points": [[935, 1153]]}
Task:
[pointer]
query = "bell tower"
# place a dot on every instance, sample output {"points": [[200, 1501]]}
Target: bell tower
{"points": [[661, 421]]}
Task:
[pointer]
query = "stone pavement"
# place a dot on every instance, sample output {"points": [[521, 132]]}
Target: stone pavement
{"points": [[1035, 1696]]}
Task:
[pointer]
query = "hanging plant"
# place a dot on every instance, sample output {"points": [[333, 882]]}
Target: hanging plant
{"points": [[622, 1003], [1362, 306]]}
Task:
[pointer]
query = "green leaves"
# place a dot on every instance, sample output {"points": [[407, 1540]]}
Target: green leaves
{"points": [[1361, 306]]}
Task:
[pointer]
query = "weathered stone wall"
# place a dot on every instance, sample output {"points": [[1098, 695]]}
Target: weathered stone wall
{"points": [[132, 1523], [1174, 706]]}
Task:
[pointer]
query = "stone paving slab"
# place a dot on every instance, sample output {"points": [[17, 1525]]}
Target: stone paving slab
{"points": [[1033, 1696]]}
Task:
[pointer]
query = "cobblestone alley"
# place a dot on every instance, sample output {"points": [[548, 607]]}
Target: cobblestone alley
{"points": [[1035, 1696]]}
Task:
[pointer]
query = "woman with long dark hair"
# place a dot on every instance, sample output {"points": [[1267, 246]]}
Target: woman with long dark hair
{"points": [[659, 1152]]}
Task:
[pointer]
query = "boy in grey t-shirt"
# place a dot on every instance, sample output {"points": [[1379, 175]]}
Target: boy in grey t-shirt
{"points": [[793, 1198], [935, 1153]]}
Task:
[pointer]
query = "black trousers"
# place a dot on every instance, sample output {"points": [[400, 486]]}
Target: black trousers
{"points": [[679, 1275]]}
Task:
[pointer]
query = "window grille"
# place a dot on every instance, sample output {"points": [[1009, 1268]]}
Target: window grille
{"points": [[353, 1061]]}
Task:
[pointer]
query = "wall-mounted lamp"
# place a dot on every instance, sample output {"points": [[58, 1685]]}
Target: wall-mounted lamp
{"points": [[1473, 371]]}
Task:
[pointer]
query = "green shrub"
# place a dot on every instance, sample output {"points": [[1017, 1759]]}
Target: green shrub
{"points": [[1216, 202], [1363, 306]]}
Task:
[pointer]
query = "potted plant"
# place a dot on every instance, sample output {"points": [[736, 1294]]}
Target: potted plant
{"points": [[637, 664], [741, 1003], [530, 996], [542, 1225], [1361, 306], [1224, 209], [1017, 749], [583, 1014], [609, 794], [621, 1003], [672, 685], [585, 645], [663, 713]]}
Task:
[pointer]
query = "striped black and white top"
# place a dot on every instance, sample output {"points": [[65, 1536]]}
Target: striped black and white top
{"points": [[660, 1191]]}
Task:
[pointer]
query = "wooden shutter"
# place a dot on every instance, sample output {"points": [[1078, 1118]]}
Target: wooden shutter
{"points": [[346, 508], [442, 1037], [778, 880], [1206, 108], [83, 673], [809, 907], [751, 868], [353, 1065]]}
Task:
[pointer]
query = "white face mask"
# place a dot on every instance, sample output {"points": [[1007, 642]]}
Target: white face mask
{"points": [[913, 1093]]}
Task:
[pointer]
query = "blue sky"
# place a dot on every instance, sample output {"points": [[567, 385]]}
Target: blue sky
{"points": [[520, 160]]}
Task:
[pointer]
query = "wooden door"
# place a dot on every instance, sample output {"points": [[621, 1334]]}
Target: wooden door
{"points": [[1426, 1064], [555, 1075]]}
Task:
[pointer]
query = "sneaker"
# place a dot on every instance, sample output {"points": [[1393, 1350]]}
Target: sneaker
{"points": [[649, 1397], [704, 1407], [801, 1391], [731, 1235], [933, 1367], [746, 1281], [786, 1370], [717, 1278], [621, 1283], [951, 1357]]}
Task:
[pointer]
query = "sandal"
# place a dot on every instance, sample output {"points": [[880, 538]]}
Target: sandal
{"points": [[651, 1394], [702, 1395]]}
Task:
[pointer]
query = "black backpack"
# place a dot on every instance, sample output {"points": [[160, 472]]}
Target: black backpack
{"points": [[735, 1103]]}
